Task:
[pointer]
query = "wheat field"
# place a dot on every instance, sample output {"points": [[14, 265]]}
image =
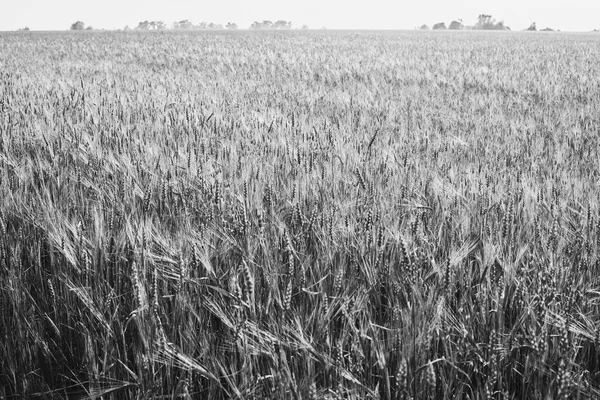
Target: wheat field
{"points": [[299, 215]]}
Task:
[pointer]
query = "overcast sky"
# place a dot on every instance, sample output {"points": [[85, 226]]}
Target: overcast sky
{"points": [[573, 15]]}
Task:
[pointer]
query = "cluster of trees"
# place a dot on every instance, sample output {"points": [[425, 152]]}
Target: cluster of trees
{"points": [[181, 25], [454, 25], [281, 24], [151, 26], [533, 27], [484, 22], [187, 24], [80, 26]]}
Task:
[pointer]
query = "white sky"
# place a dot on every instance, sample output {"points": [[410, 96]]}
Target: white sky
{"points": [[573, 15]]}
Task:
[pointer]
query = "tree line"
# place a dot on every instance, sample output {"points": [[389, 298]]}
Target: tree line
{"points": [[484, 22], [189, 25]]}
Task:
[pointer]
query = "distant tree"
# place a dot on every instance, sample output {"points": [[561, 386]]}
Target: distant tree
{"points": [[486, 22], [456, 25], [89, 28], [183, 24], [500, 26], [423, 27], [77, 26], [281, 24], [439, 26], [532, 27], [231, 25], [127, 28], [305, 27], [24, 29], [151, 25], [266, 24], [546, 29]]}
